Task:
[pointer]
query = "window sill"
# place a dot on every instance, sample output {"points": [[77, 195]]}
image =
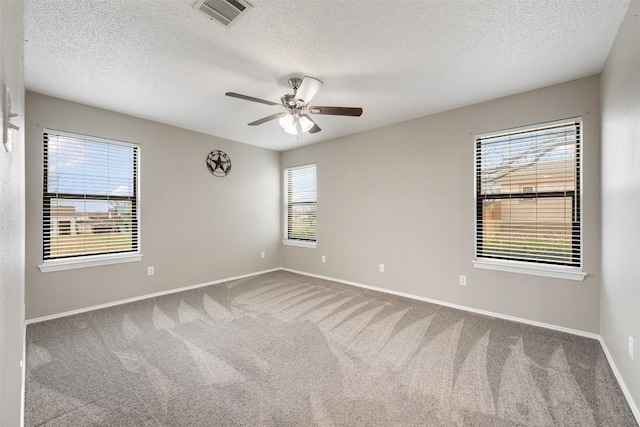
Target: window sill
{"points": [[299, 243], [559, 272], [88, 261]]}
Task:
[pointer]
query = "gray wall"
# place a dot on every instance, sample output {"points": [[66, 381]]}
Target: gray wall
{"points": [[620, 294], [403, 195], [11, 221], [195, 227]]}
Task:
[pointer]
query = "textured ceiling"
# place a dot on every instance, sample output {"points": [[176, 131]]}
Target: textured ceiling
{"points": [[161, 60]]}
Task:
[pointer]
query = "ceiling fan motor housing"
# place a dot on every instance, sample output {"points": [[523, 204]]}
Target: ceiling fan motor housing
{"points": [[295, 83], [288, 100]]}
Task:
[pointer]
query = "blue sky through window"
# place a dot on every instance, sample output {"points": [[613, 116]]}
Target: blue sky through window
{"points": [[84, 167]]}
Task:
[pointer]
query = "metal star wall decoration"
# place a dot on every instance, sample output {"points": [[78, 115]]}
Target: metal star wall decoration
{"points": [[218, 163]]}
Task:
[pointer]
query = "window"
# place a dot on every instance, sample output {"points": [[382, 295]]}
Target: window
{"points": [[300, 210], [528, 200], [90, 201]]}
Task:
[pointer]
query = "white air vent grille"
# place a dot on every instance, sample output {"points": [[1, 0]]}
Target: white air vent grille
{"points": [[223, 11]]}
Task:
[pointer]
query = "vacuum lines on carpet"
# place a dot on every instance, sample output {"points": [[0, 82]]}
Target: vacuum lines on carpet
{"points": [[282, 349]]}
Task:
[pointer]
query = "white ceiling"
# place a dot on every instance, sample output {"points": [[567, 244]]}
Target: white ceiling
{"points": [[161, 60]]}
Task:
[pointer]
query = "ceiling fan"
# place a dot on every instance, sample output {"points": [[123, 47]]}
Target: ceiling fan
{"points": [[295, 117]]}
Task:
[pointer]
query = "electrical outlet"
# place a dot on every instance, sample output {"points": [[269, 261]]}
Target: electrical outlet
{"points": [[150, 271], [262, 255], [631, 348], [381, 268], [463, 280], [324, 258]]}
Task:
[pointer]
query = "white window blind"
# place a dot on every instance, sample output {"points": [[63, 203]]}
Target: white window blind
{"points": [[300, 212], [90, 204], [528, 194]]}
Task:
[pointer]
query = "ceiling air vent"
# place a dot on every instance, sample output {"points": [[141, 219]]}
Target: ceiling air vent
{"points": [[224, 11]]}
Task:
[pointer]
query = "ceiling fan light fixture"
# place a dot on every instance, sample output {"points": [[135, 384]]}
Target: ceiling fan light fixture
{"points": [[291, 122], [288, 123], [305, 124]]}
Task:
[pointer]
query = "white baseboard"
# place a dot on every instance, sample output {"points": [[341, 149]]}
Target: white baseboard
{"points": [[623, 385], [456, 306], [142, 297]]}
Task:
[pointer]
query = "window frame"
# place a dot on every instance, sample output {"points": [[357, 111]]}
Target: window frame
{"points": [[287, 240], [88, 260], [538, 268]]}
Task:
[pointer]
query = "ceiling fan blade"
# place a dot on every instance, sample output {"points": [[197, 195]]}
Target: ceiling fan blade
{"points": [[315, 127], [266, 119], [337, 111], [308, 89], [251, 98]]}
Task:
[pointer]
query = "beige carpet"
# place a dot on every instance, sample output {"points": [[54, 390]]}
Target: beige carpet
{"points": [[281, 349]]}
